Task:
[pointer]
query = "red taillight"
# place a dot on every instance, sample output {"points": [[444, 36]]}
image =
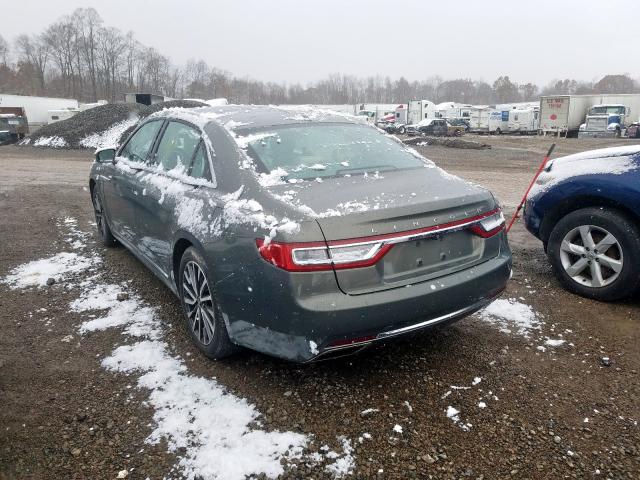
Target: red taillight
{"points": [[367, 251], [489, 226]]}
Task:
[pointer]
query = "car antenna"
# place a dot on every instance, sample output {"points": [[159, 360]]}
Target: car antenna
{"points": [[533, 181]]}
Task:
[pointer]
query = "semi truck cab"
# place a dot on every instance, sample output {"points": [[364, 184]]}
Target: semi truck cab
{"points": [[605, 120]]}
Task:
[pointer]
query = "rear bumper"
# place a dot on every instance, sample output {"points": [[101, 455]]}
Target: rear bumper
{"points": [[317, 325]]}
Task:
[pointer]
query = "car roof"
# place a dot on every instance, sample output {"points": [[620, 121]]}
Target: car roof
{"points": [[257, 116]]}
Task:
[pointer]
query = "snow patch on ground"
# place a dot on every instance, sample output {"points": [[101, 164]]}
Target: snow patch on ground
{"points": [[345, 463], [454, 415], [59, 267], [51, 142], [215, 434], [554, 342], [511, 316], [198, 415]]}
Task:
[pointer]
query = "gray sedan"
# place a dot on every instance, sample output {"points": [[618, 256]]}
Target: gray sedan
{"points": [[298, 232]]}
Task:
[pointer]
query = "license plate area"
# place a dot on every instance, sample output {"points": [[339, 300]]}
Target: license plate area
{"points": [[430, 255]]}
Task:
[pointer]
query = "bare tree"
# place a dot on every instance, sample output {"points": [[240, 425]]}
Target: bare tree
{"points": [[111, 47], [4, 51], [35, 52], [88, 22]]}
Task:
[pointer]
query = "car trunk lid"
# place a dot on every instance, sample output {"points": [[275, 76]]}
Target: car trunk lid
{"points": [[419, 215]]}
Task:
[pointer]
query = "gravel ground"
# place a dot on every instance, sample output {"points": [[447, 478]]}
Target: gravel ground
{"points": [[63, 416]]}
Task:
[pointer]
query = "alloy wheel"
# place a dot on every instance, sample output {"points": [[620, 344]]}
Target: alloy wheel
{"points": [[198, 302], [591, 256], [99, 213]]}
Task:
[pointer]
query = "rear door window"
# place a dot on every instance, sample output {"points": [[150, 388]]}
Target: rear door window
{"points": [[200, 165], [138, 147], [177, 146]]}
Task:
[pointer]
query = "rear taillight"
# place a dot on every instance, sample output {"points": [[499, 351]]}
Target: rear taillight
{"points": [[314, 256], [364, 252], [489, 226]]}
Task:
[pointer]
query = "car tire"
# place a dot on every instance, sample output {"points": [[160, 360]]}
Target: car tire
{"points": [[402, 130], [202, 314], [102, 223], [604, 274]]}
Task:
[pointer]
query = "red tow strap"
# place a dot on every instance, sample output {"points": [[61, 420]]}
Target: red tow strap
{"points": [[524, 199]]}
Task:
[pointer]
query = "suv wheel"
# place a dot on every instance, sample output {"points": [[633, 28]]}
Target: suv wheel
{"points": [[595, 252], [202, 313], [101, 221]]}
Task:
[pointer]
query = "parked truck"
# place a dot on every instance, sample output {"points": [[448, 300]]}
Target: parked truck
{"points": [[37, 108], [563, 114], [418, 110], [14, 124], [606, 120]]}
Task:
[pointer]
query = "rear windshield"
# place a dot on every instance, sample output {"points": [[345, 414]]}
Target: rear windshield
{"points": [[326, 150]]}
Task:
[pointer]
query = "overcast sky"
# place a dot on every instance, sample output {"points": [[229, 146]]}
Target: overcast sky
{"points": [[304, 40]]}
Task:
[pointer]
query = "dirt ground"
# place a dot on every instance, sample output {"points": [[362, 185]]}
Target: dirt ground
{"points": [[550, 413]]}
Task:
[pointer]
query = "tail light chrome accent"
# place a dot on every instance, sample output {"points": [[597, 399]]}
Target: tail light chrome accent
{"points": [[367, 251]]}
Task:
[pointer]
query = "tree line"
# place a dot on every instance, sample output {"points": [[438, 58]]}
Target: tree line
{"points": [[80, 57]]}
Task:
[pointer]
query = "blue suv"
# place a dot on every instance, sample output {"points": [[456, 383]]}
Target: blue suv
{"points": [[586, 210]]}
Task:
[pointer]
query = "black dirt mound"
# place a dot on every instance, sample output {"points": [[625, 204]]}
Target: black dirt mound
{"points": [[147, 110], [447, 142], [96, 121], [93, 121]]}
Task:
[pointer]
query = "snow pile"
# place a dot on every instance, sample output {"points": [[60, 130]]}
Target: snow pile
{"points": [[51, 142], [511, 316], [110, 137], [59, 267]]}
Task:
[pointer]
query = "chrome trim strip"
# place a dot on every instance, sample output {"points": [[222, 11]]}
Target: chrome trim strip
{"points": [[416, 326], [426, 323], [394, 240]]}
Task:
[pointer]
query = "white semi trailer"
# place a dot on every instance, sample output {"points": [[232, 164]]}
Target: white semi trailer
{"points": [[37, 108], [563, 114], [418, 110]]}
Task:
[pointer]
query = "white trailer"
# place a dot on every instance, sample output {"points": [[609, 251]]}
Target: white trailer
{"points": [[486, 119], [418, 110], [563, 114], [37, 108], [524, 120], [453, 110], [375, 111], [479, 119]]}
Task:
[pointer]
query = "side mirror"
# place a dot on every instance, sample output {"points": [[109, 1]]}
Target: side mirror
{"points": [[106, 155]]}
